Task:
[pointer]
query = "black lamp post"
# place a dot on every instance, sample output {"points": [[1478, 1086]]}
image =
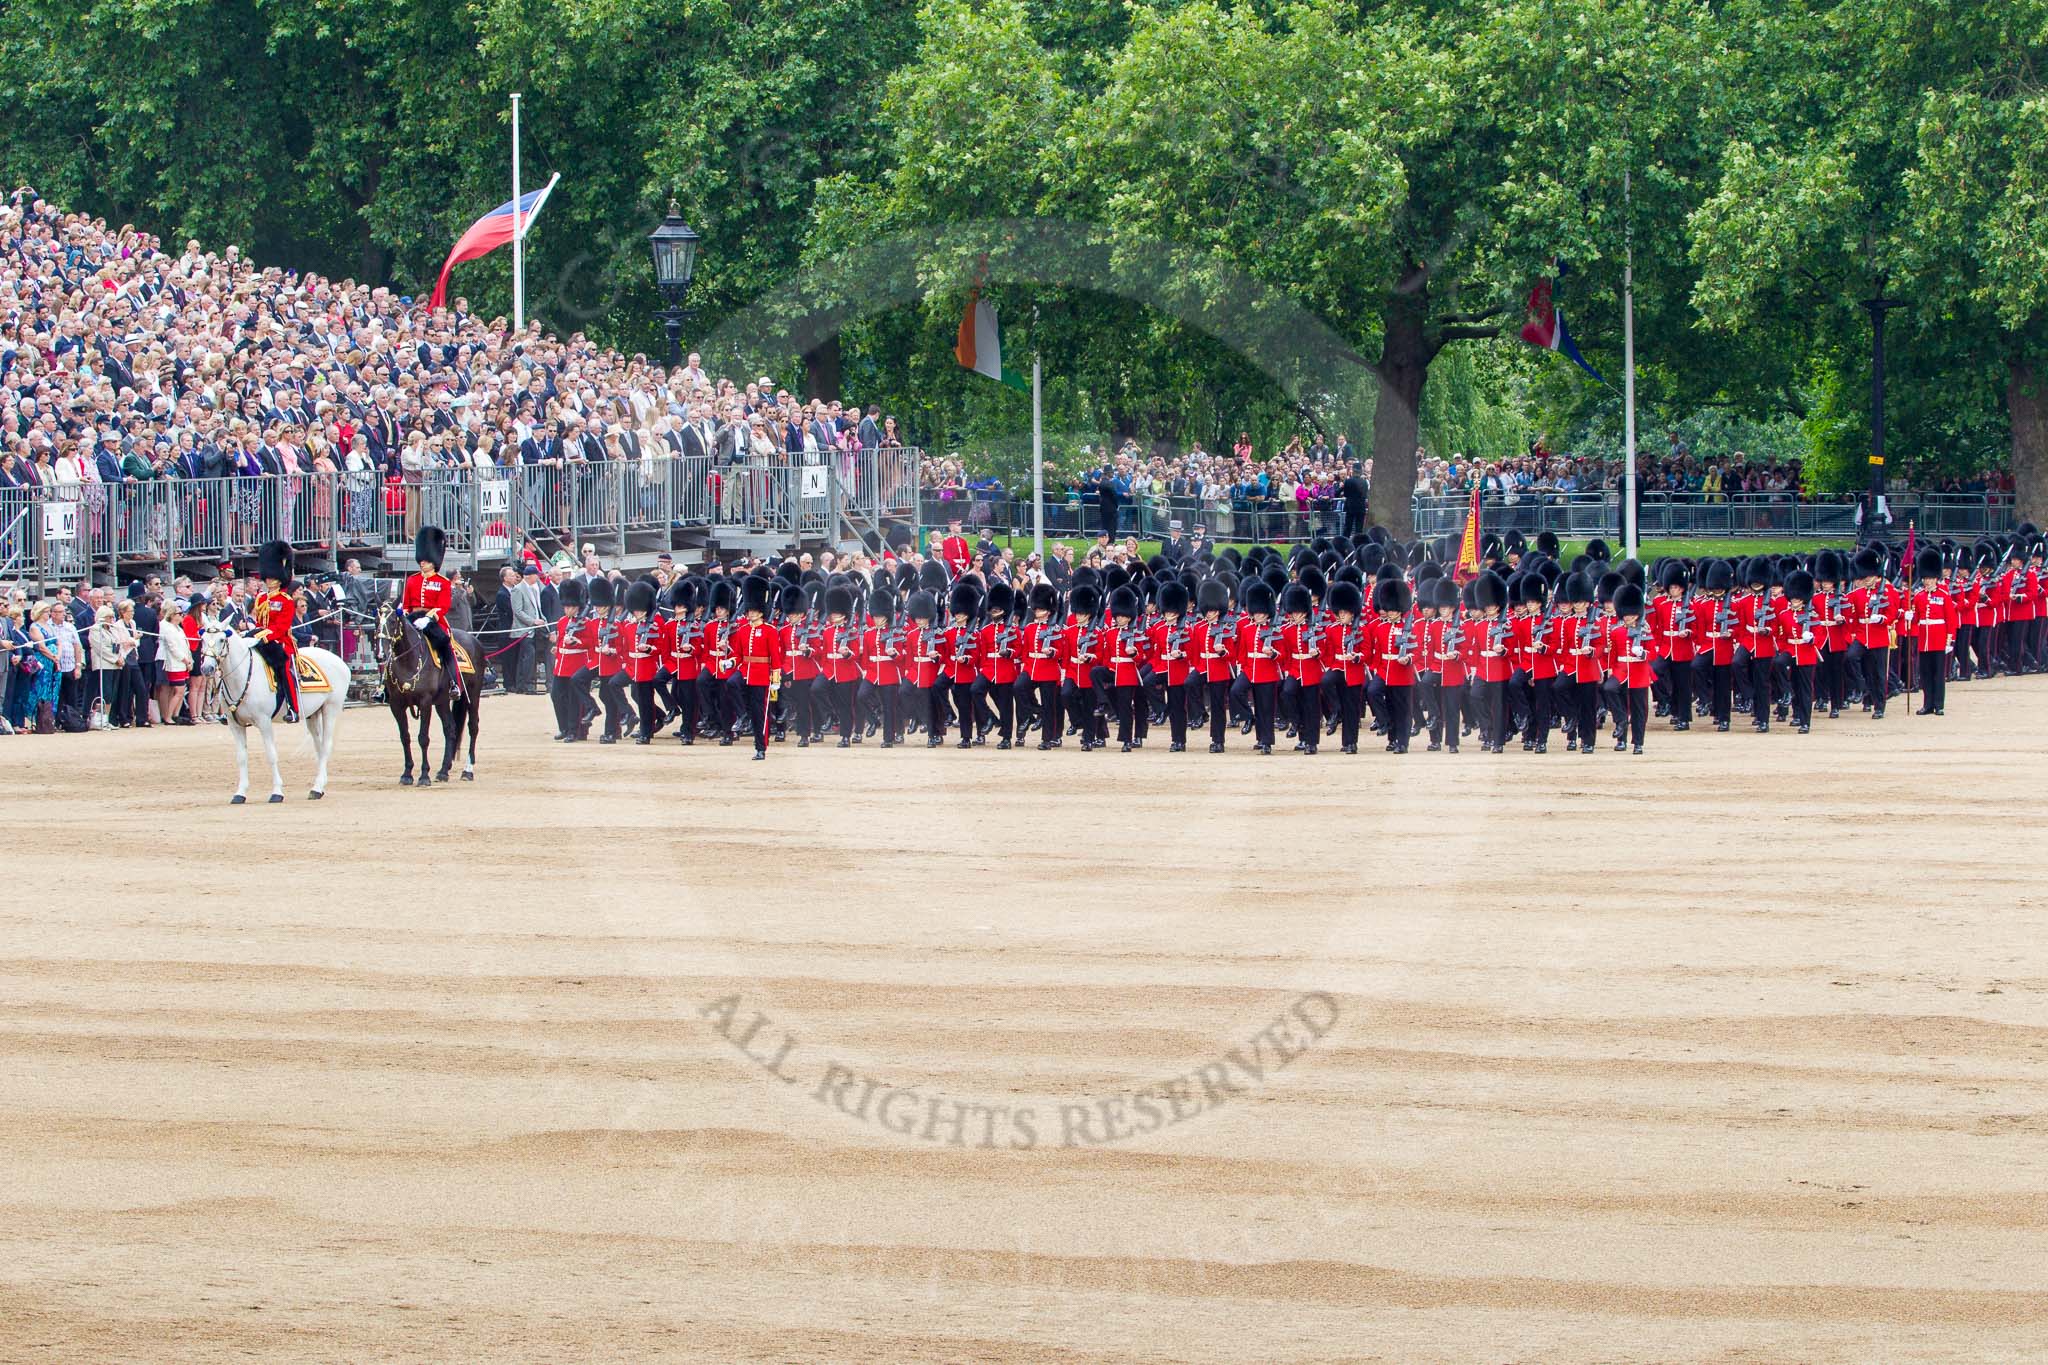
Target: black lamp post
{"points": [[674, 249], [1878, 306]]}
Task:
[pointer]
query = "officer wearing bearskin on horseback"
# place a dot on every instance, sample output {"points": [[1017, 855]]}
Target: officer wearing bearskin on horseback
{"points": [[272, 614], [428, 595]]}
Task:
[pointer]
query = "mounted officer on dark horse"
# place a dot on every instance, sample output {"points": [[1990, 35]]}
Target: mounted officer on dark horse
{"points": [[430, 669]]}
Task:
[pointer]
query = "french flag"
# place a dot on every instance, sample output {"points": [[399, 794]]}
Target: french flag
{"points": [[490, 232], [1546, 328]]}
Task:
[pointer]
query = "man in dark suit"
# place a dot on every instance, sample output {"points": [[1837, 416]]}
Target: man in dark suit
{"points": [[1175, 548], [870, 431], [1106, 499], [1355, 495]]}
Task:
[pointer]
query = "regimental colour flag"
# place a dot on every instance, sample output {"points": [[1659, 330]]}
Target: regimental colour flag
{"points": [[980, 344], [1546, 328], [1467, 567], [490, 232]]}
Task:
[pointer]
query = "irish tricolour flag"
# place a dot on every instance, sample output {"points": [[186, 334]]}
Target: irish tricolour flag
{"points": [[980, 347]]}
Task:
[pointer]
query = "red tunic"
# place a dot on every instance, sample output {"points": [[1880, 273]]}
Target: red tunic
{"points": [[641, 642], [995, 652], [1344, 649], [1443, 651], [1078, 653], [275, 613], [1875, 612], [1041, 643], [1301, 656], [800, 648], [719, 656], [880, 657], [1931, 620], [1259, 660], [1121, 649], [1578, 646], [1671, 630], [429, 593], [1215, 650], [1801, 643], [683, 643], [757, 652], [1755, 630], [958, 558], [957, 653], [1487, 654], [920, 655], [1388, 650], [1714, 628], [571, 655], [1626, 659], [839, 654], [1175, 661], [611, 649]]}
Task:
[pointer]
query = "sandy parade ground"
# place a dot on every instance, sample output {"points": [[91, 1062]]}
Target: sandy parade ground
{"points": [[1735, 1051]]}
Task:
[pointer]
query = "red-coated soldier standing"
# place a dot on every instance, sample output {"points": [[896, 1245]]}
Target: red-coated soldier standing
{"points": [[758, 658], [1120, 651], [996, 665], [1874, 607], [1256, 650], [1628, 650], [1672, 645], [1170, 643], [1345, 642], [1802, 639], [1214, 642], [800, 648], [959, 665], [1301, 665], [1930, 625], [640, 644], [1041, 646]]}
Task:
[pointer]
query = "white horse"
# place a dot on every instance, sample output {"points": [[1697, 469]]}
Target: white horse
{"points": [[245, 691]]}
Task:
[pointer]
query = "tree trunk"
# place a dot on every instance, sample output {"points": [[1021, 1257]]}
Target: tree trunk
{"points": [[2026, 400], [821, 368], [373, 259], [1397, 416]]}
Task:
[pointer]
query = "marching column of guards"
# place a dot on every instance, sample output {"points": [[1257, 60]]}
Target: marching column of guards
{"points": [[1335, 639]]}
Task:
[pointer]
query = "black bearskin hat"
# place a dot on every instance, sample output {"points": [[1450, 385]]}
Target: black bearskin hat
{"points": [[1867, 564], [431, 546], [1577, 588], [1001, 599], [1173, 598], [1628, 600], [1631, 571], [1603, 591], [1123, 601], [1313, 579], [1489, 590], [1044, 598], [755, 593], [1546, 543], [921, 606], [1347, 597], [640, 596], [600, 593], [1258, 595], [931, 576], [838, 602], [571, 593], [792, 601], [1391, 594], [1719, 576], [1274, 576], [1515, 543], [1927, 564], [1760, 571], [1597, 549], [274, 560], [1114, 577], [881, 605], [1443, 593], [1674, 574], [1214, 596], [1799, 585], [722, 595], [788, 572], [1296, 597], [964, 601], [1085, 600], [1533, 591]]}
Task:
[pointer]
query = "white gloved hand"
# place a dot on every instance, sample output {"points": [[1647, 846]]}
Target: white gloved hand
{"points": [[423, 621]]}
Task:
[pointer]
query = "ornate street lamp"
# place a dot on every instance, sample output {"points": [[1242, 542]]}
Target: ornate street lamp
{"points": [[674, 248]]}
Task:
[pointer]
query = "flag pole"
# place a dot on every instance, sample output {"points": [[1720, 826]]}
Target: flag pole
{"points": [[1037, 457], [518, 233], [1628, 378]]}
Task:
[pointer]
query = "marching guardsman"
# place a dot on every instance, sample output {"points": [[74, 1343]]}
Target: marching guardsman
{"points": [[2037, 598], [921, 665], [839, 661], [1801, 639], [758, 660], [1673, 647], [997, 668], [1257, 652], [1535, 662], [571, 666], [1077, 653], [1301, 665], [1215, 653], [1171, 648], [1874, 608], [272, 613], [799, 649], [1713, 618], [1628, 647], [1757, 640], [1837, 631], [1394, 656], [640, 642], [611, 659], [959, 667], [881, 665], [1577, 633], [1930, 625], [682, 642], [1489, 643], [1443, 649], [1041, 643], [716, 659], [428, 595], [1120, 647], [1345, 643]]}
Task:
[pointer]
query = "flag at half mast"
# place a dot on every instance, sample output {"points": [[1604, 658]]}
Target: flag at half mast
{"points": [[980, 344]]}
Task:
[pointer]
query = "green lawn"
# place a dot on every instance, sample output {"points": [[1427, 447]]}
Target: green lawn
{"points": [[1651, 549]]}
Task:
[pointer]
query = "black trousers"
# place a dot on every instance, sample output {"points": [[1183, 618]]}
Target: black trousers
{"points": [[931, 704], [1399, 709], [1493, 713], [1761, 685], [1630, 707], [800, 706], [1876, 667], [1542, 700], [1445, 710], [1582, 717], [884, 696], [1264, 698], [1128, 701], [985, 694], [1934, 681], [683, 705], [515, 665], [1674, 679], [617, 711], [1305, 706], [1078, 701], [756, 702], [1721, 677], [840, 696], [571, 695], [1177, 711], [1804, 678], [644, 703], [1981, 642], [1832, 681], [1217, 694]]}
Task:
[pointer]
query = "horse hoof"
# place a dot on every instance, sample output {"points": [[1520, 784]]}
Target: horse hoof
{"points": [[314, 796], [238, 800], [469, 777], [425, 781], [405, 781], [277, 798]]}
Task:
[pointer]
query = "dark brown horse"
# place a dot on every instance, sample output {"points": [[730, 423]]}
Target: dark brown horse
{"points": [[412, 687]]}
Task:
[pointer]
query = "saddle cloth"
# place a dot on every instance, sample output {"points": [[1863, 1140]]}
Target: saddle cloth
{"points": [[311, 679]]}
